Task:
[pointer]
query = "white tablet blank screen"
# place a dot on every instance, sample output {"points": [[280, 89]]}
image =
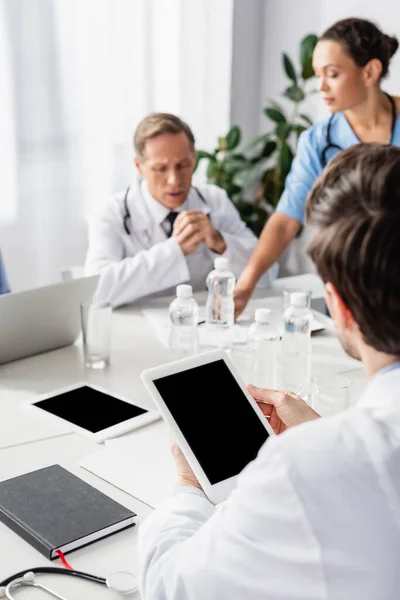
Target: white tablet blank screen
{"points": [[217, 420]]}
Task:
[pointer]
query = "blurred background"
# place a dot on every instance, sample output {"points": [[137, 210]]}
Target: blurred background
{"points": [[76, 77]]}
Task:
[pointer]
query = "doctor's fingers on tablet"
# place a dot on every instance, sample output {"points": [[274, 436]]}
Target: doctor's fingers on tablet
{"points": [[184, 471], [291, 409], [270, 413]]}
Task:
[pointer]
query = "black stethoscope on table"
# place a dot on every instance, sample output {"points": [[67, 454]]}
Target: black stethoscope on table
{"points": [[330, 145], [122, 581], [127, 214]]}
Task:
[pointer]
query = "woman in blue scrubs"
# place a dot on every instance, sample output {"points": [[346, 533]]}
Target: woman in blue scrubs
{"points": [[350, 60], [4, 288]]}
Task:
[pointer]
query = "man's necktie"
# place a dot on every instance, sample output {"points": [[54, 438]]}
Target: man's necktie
{"points": [[171, 220]]}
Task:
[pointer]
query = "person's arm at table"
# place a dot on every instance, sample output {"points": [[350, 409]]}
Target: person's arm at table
{"points": [[239, 239], [282, 227], [277, 234]]}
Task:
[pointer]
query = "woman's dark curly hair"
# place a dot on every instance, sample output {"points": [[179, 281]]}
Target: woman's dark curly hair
{"points": [[363, 41]]}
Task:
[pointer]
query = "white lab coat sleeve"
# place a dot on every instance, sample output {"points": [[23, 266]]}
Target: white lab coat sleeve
{"points": [[126, 279], [259, 544], [240, 240]]}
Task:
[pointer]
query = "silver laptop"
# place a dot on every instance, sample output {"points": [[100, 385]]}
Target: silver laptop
{"points": [[42, 319]]}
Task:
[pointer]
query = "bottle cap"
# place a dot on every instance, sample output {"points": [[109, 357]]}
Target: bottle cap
{"points": [[184, 291], [262, 315], [298, 299], [221, 263]]}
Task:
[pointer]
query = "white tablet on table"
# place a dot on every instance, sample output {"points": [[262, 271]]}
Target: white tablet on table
{"points": [[216, 422], [91, 411]]}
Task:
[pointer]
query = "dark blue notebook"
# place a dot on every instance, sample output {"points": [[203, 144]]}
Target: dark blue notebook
{"points": [[53, 509]]}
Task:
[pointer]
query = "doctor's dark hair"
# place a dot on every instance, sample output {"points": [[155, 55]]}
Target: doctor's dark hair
{"points": [[356, 206], [363, 41], [156, 124]]}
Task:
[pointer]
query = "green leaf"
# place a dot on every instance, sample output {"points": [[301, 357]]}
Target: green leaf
{"points": [[236, 198], [275, 104], [257, 140], [306, 119], [203, 154], [283, 130], [273, 185], [270, 146], [212, 170], [289, 68], [295, 93], [233, 137], [285, 160], [299, 130], [200, 154], [248, 177], [232, 165], [222, 144], [307, 46], [275, 115], [253, 215]]}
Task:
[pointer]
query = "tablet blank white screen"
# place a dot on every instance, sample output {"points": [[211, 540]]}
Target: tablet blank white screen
{"points": [[218, 422]]}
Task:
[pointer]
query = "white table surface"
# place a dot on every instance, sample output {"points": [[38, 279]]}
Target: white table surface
{"points": [[27, 444], [115, 553]]}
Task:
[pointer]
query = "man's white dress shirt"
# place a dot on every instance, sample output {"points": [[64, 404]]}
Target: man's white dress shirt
{"points": [[315, 517], [145, 261]]}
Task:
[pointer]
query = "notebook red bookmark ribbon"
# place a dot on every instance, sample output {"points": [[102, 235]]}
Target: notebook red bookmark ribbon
{"points": [[64, 560]]}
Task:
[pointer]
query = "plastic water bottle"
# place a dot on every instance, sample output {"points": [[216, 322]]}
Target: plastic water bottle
{"points": [[184, 313], [263, 341], [220, 308], [295, 350]]}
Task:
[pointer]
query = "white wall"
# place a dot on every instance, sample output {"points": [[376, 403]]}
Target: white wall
{"points": [[76, 77], [287, 21], [247, 54]]}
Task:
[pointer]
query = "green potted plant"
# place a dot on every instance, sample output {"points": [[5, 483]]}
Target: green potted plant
{"points": [[254, 176]]}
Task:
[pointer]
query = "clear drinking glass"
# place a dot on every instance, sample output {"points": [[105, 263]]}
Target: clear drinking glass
{"points": [[330, 394], [287, 294], [96, 334]]}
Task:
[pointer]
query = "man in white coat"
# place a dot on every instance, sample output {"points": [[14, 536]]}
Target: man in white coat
{"points": [[162, 231], [317, 514]]}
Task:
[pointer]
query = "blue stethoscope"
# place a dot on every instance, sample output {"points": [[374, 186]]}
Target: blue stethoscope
{"points": [[122, 581], [330, 145], [127, 215]]}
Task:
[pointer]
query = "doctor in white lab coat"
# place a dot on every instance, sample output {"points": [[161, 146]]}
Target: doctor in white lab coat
{"points": [[162, 231], [317, 514]]}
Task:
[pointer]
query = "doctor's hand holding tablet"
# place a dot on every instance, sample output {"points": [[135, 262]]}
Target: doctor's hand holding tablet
{"points": [[216, 422], [282, 409]]}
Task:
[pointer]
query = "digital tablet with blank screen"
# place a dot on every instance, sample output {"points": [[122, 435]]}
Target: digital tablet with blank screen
{"points": [[215, 421], [91, 411]]}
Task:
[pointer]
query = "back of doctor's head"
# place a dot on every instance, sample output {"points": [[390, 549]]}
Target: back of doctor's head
{"points": [[156, 124], [362, 41], [355, 205]]}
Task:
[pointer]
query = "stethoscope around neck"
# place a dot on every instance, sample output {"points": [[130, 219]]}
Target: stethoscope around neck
{"points": [[126, 216], [329, 145]]}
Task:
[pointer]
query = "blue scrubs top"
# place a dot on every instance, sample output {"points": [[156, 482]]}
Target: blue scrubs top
{"points": [[307, 164], [4, 288]]}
